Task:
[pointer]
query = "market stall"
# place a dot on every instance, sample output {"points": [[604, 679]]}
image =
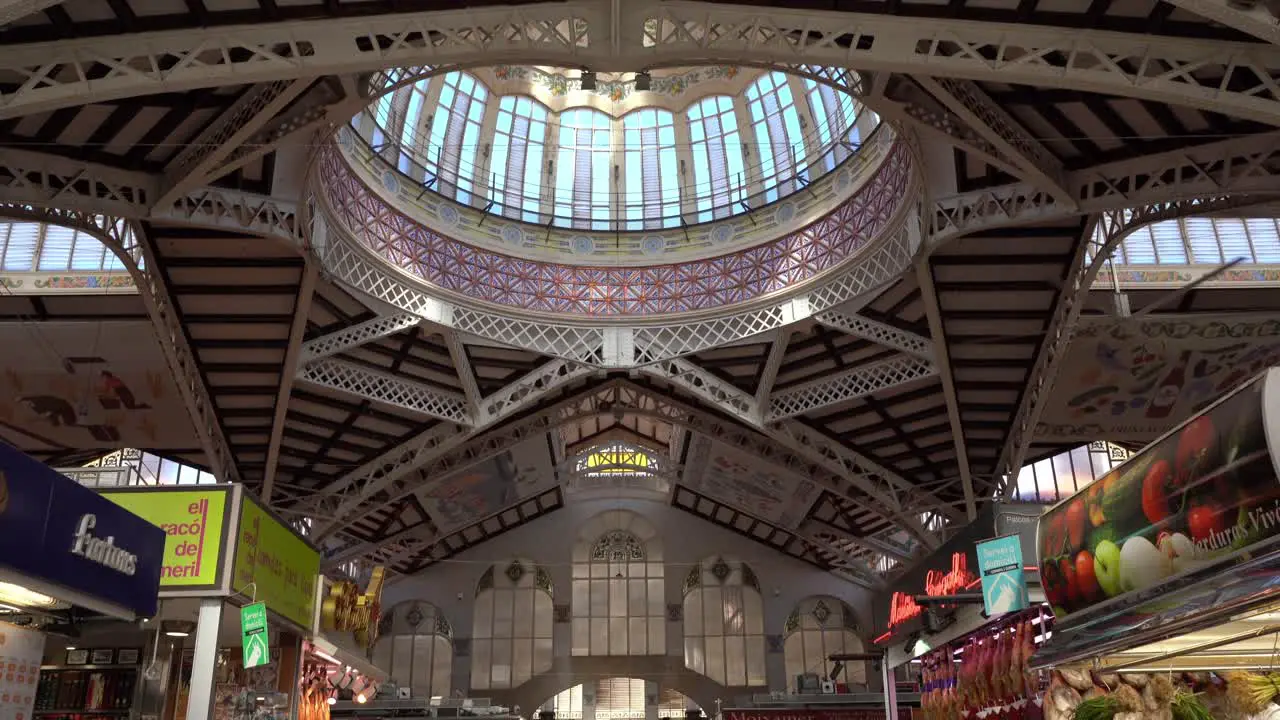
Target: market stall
{"points": [[71, 562], [336, 667], [963, 623], [1165, 574], [238, 591]]}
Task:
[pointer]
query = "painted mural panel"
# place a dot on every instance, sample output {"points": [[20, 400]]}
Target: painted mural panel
{"points": [[466, 497], [749, 484], [85, 385], [1134, 380]]}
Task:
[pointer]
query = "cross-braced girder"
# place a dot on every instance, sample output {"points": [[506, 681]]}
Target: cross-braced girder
{"points": [[1231, 77]]}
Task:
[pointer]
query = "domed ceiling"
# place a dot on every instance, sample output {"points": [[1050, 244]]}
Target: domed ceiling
{"points": [[518, 188]]}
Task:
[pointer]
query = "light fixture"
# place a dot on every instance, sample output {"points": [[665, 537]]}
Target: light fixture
{"points": [[71, 647], [19, 596], [177, 628], [643, 80], [361, 698], [331, 700], [588, 79]]}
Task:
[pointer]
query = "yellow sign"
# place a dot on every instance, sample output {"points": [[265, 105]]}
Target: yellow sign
{"points": [[281, 568], [346, 609], [193, 522]]}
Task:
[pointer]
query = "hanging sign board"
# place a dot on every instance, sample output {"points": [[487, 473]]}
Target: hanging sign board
{"points": [[253, 635], [281, 566], [55, 530], [193, 522], [1203, 494], [1004, 585]]}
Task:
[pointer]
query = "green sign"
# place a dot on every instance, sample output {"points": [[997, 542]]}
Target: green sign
{"points": [[253, 635], [1004, 589], [275, 566]]}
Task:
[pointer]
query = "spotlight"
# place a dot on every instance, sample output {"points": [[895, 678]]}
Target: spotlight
{"points": [[361, 698], [588, 80], [643, 80], [178, 628], [332, 700]]}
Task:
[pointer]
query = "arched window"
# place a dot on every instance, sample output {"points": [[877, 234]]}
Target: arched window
{"points": [[819, 627], [653, 178], [518, 145], [716, 146], [582, 168], [836, 115], [415, 647], [618, 698], [511, 631], [724, 623], [454, 142], [777, 129], [619, 601]]}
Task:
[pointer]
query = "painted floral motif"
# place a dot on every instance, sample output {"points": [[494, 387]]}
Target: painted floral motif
{"points": [[10, 282], [559, 84], [82, 282], [596, 291]]}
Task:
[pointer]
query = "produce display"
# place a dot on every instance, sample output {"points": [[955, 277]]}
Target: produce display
{"points": [[1099, 695], [990, 679], [1200, 493]]}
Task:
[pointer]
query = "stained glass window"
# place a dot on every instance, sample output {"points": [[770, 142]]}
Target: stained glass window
{"points": [[518, 148], [779, 142], [454, 142], [415, 648], [836, 115], [819, 627], [716, 146], [724, 623], [619, 605], [653, 190], [583, 168], [511, 626]]}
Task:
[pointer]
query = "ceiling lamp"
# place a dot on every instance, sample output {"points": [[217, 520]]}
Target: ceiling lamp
{"points": [[21, 597], [177, 628], [588, 79], [643, 80]]}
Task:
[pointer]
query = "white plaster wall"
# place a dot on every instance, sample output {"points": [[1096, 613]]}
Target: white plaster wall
{"points": [[686, 538]]}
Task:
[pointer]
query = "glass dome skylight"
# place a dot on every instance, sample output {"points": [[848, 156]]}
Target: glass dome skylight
{"points": [[702, 145]]}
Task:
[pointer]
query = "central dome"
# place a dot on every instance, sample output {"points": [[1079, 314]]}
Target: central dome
{"points": [[548, 147]]}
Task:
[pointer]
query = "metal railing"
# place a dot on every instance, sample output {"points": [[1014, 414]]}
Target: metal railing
{"points": [[443, 171], [105, 477]]}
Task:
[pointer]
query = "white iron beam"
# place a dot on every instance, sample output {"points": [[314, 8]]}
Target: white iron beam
{"points": [[877, 332], [301, 310], [197, 165], [462, 365], [356, 335], [849, 384], [1257, 21], [942, 359], [1237, 79], [769, 373], [979, 112], [387, 388], [361, 485], [46, 180]]}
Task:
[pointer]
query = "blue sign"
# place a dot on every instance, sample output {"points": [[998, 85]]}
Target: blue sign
{"points": [[55, 530], [1004, 587]]}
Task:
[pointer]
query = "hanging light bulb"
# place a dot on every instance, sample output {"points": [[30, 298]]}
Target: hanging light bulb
{"points": [[360, 698], [331, 700]]}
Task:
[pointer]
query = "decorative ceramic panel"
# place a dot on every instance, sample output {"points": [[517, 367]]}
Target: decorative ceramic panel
{"points": [[482, 490], [766, 492], [1134, 380], [112, 389], [717, 282], [675, 612]]}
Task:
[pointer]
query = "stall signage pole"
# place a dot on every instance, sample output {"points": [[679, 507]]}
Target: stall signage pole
{"points": [[253, 635], [1004, 586]]}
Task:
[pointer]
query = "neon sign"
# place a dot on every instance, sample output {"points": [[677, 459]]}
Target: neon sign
{"points": [[903, 607]]}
